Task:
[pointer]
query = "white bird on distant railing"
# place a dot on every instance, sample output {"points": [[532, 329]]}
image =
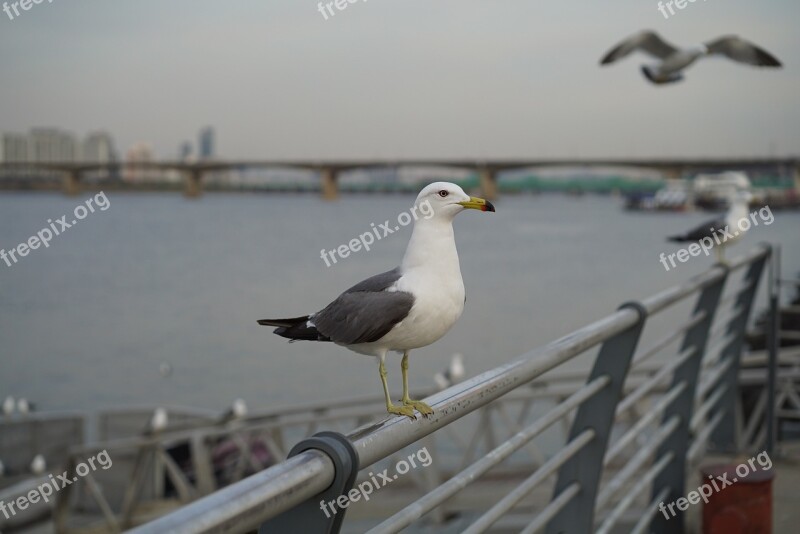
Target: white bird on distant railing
{"points": [[453, 374], [8, 405], [38, 465], [238, 410], [673, 61], [158, 422], [23, 406]]}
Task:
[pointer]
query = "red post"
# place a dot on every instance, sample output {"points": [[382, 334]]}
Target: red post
{"points": [[742, 507]]}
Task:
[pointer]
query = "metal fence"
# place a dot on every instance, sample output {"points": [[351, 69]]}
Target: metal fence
{"points": [[693, 405]]}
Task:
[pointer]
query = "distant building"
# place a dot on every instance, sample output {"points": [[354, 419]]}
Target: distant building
{"points": [[51, 145], [14, 148], [206, 144], [140, 152], [98, 148], [185, 152]]}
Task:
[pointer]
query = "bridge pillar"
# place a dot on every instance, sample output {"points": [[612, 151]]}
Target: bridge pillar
{"points": [[488, 183], [193, 183], [797, 178], [71, 182], [330, 190]]}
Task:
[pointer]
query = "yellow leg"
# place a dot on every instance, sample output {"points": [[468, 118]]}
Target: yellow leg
{"points": [[408, 411], [423, 408]]}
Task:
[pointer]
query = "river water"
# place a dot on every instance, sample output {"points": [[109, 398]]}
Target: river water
{"points": [[156, 280]]}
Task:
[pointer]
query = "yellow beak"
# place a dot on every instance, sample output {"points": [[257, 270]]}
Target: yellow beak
{"points": [[475, 203]]}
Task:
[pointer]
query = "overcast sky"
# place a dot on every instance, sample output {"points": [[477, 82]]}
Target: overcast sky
{"points": [[399, 78]]}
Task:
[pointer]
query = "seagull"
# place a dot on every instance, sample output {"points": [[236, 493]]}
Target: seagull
{"points": [[8, 405], [453, 374], [409, 307], [158, 422], [722, 231], [236, 412], [675, 60], [24, 407], [38, 465]]}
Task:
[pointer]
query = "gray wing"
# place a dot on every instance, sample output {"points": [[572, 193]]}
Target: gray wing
{"points": [[742, 51], [366, 312], [706, 229], [647, 41]]}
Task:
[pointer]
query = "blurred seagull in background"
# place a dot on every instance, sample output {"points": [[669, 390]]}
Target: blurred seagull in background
{"points": [[237, 411], [157, 422], [453, 374], [406, 308], [38, 465], [674, 60], [724, 230], [24, 407], [8, 405]]}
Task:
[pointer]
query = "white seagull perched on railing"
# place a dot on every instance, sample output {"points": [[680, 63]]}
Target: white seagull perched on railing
{"points": [[674, 60], [406, 308]]}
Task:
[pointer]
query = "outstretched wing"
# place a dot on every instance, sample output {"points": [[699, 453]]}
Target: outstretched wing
{"points": [[742, 51], [647, 41]]}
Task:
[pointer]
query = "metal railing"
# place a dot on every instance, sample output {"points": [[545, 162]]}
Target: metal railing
{"points": [[697, 408]]}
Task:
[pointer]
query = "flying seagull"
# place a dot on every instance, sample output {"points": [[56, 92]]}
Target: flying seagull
{"points": [[674, 60], [722, 231], [406, 308]]}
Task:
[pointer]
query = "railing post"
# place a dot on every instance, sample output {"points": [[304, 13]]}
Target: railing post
{"points": [[586, 467], [311, 515], [723, 438], [330, 190], [193, 182], [774, 342], [673, 476], [71, 183]]}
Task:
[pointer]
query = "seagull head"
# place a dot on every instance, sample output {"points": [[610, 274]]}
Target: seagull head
{"points": [[443, 200]]}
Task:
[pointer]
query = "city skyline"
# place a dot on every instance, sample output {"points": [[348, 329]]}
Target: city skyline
{"points": [[95, 146]]}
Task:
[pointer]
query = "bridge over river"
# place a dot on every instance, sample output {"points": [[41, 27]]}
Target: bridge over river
{"points": [[329, 170]]}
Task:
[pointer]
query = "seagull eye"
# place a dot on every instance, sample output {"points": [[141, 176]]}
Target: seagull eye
{"points": [[443, 193]]}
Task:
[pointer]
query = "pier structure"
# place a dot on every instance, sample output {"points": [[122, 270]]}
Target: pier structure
{"points": [[528, 446]]}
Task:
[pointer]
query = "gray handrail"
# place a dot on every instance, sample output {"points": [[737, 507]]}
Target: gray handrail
{"points": [[246, 504]]}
